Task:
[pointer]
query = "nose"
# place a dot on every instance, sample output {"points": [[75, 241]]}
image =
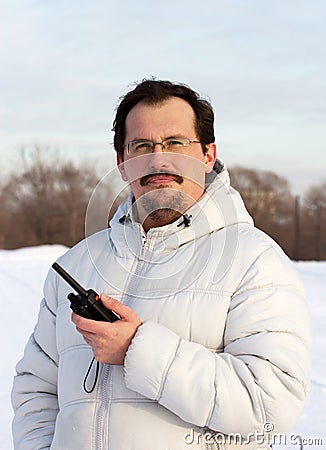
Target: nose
{"points": [[158, 158], [158, 146]]}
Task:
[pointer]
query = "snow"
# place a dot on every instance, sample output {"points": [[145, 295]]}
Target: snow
{"points": [[22, 273]]}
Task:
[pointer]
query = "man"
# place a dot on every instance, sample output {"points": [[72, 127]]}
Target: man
{"points": [[212, 346]]}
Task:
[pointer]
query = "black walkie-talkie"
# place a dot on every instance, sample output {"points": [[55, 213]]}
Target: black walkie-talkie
{"points": [[87, 303]]}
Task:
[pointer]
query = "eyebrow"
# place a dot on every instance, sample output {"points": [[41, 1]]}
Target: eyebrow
{"points": [[179, 135]]}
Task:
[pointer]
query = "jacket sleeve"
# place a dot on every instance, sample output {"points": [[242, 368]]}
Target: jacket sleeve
{"points": [[262, 375], [34, 392]]}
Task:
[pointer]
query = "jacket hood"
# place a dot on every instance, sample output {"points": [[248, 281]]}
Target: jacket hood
{"points": [[220, 206]]}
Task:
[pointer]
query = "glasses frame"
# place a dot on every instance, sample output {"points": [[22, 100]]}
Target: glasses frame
{"points": [[162, 143]]}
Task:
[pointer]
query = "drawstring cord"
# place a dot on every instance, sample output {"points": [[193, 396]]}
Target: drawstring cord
{"points": [[88, 391]]}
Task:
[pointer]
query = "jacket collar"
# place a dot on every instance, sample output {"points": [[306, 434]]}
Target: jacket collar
{"points": [[219, 207]]}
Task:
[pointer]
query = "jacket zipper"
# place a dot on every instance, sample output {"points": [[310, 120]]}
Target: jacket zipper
{"points": [[104, 388], [140, 263], [102, 409], [212, 444]]}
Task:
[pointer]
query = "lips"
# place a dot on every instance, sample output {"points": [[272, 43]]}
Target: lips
{"points": [[160, 178]]}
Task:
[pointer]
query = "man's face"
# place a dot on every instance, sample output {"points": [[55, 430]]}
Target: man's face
{"points": [[165, 184]]}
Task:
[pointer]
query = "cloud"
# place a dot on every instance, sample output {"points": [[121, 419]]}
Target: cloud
{"points": [[64, 65]]}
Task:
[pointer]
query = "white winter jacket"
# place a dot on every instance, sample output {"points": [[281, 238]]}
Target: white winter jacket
{"points": [[223, 348]]}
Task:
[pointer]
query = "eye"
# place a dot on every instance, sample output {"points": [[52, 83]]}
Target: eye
{"points": [[176, 142], [137, 146]]}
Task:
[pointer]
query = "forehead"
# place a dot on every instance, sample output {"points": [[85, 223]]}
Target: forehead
{"points": [[171, 117]]}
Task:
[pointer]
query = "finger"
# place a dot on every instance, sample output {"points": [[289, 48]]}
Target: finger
{"points": [[88, 339], [111, 303], [88, 336], [86, 325], [74, 317]]}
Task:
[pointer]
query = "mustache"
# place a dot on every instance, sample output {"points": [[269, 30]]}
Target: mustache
{"points": [[146, 178]]}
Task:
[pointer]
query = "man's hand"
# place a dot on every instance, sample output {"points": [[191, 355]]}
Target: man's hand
{"points": [[109, 341]]}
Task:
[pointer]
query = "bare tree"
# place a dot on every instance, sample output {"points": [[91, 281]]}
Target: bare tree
{"points": [[54, 201], [268, 199], [313, 223], [46, 202]]}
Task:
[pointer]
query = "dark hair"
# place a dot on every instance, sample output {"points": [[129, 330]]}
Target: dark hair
{"points": [[152, 91]]}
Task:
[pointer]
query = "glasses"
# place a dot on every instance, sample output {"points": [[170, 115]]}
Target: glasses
{"points": [[144, 147]]}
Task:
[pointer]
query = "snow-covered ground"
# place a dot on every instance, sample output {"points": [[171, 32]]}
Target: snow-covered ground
{"points": [[22, 273]]}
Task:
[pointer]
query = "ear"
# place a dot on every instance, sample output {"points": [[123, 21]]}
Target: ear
{"points": [[210, 156], [121, 168]]}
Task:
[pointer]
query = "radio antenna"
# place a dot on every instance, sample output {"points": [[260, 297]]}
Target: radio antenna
{"points": [[73, 283]]}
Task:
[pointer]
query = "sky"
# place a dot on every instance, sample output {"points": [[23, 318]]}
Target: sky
{"points": [[64, 65]]}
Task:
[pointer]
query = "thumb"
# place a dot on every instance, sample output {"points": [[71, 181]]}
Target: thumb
{"points": [[111, 303]]}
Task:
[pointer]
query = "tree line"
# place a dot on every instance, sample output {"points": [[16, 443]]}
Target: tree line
{"points": [[47, 201], [296, 223]]}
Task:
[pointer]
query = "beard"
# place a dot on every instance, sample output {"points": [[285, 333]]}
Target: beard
{"points": [[164, 205]]}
